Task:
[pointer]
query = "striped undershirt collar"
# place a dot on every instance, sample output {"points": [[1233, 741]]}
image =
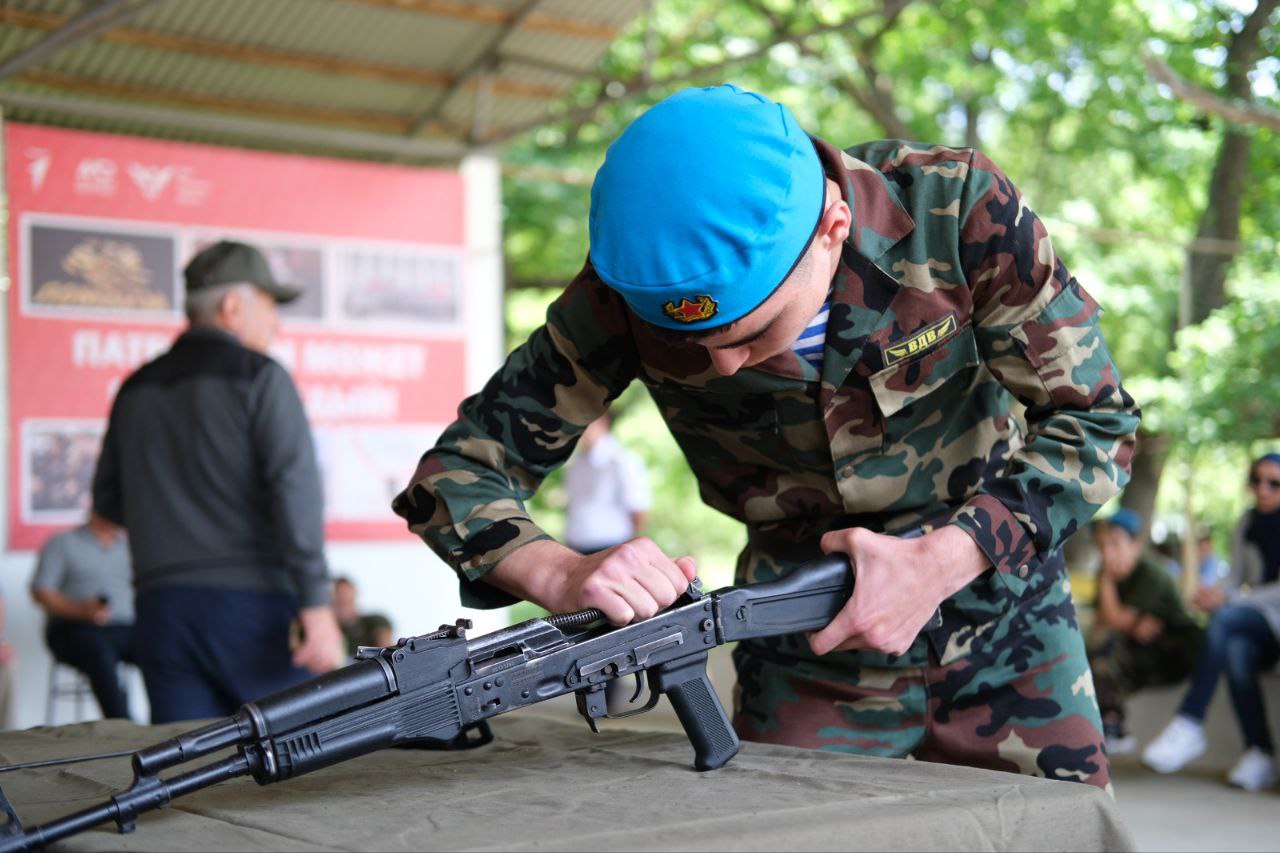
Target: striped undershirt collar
{"points": [[812, 340]]}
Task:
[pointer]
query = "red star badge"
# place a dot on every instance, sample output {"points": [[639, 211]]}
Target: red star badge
{"points": [[702, 308]]}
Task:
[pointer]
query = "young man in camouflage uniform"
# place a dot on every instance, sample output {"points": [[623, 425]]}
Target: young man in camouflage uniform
{"points": [[719, 232]]}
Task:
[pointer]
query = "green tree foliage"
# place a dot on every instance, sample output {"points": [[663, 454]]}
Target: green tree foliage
{"points": [[1055, 91]]}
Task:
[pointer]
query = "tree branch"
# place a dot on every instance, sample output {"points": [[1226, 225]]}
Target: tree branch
{"points": [[1240, 113], [637, 85]]}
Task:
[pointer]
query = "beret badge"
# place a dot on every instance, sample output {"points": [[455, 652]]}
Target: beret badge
{"points": [[700, 308]]}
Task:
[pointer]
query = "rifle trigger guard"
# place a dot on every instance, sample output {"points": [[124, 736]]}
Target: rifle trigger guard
{"points": [[648, 706]]}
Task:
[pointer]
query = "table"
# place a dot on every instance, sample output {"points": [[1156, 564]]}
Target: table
{"points": [[544, 784]]}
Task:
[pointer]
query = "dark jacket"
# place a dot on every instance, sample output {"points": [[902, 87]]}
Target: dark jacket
{"points": [[208, 462]]}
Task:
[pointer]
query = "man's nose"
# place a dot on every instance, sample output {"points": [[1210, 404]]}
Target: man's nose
{"points": [[728, 361]]}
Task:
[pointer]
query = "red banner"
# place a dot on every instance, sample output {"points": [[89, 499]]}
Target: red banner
{"points": [[100, 227]]}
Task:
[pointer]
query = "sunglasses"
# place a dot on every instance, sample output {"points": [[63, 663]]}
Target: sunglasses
{"points": [[1255, 481]]}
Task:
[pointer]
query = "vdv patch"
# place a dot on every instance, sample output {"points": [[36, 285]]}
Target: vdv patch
{"points": [[702, 308], [922, 341]]}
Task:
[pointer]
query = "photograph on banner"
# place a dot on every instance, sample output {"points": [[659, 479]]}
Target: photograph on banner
{"points": [[58, 460], [85, 266], [399, 284], [362, 466], [293, 261]]}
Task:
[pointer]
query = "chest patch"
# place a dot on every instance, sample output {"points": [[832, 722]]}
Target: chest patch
{"points": [[921, 342]]}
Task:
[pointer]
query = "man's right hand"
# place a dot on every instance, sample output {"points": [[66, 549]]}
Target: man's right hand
{"points": [[634, 580], [97, 612], [1208, 598]]}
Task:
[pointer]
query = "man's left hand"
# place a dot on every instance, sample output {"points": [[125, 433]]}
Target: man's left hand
{"points": [[898, 584], [1147, 629]]}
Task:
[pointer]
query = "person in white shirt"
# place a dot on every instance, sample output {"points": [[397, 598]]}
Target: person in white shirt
{"points": [[608, 491]]}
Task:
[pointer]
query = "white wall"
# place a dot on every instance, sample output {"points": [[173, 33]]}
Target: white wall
{"points": [[402, 579]]}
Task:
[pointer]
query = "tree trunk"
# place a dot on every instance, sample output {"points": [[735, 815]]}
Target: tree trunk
{"points": [[1144, 483], [1207, 266], [1208, 259]]}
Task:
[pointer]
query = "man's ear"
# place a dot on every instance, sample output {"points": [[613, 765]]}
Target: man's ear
{"points": [[837, 219], [231, 308]]}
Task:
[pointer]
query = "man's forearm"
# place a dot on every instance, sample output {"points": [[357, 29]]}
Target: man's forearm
{"points": [[1111, 612], [531, 572], [60, 606], [958, 555]]}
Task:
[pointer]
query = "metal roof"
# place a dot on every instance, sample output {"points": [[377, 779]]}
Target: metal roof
{"points": [[410, 80]]}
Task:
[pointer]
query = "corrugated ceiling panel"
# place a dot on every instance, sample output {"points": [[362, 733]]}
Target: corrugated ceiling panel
{"points": [[617, 14], [170, 72], [328, 27], [15, 39], [59, 7], [269, 40]]}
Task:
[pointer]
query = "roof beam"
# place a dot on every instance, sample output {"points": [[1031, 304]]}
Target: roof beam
{"points": [[354, 119], [508, 57], [87, 24], [483, 62], [238, 128], [483, 14], [258, 54]]}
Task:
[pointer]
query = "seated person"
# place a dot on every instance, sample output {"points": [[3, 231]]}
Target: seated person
{"points": [[83, 583], [358, 629], [1242, 641], [1142, 635]]}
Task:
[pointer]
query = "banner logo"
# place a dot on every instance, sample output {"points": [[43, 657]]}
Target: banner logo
{"points": [[40, 160], [150, 180], [96, 176]]}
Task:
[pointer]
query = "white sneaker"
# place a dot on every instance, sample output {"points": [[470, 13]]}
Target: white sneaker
{"points": [[1121, 744], [1254, 771], [1181, 742]]}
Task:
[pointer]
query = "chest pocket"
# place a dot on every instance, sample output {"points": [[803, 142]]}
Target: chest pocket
{"points": [[919, 398]]}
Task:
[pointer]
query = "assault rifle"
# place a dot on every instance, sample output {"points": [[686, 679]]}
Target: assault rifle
{"points": [[441, 688]]}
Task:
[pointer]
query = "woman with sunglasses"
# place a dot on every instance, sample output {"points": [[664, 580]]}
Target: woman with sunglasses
{"points": [[1242, 640]]}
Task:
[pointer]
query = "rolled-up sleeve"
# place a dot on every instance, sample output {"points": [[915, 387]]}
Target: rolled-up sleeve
{"points": [[466, 499], [1037, 330]]}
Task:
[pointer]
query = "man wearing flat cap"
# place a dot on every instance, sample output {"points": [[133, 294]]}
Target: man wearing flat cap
{"points": [[208, 463], [872, 351]]}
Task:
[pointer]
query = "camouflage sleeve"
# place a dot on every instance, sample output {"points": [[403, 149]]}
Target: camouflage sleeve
{"points": [[466, 498], [1037, 330]]}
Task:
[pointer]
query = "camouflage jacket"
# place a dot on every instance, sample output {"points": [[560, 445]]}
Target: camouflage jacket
{"points": [[965, 380]]}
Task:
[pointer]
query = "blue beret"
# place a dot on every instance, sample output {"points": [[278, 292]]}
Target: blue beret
{"points": [[1127, 520], [704, 205]]}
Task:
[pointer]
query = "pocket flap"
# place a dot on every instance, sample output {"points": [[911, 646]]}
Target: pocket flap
{"points": [[904, 383]]}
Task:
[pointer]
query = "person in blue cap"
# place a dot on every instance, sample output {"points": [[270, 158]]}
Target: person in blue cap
{"points": [[835, 338], [1242, 641], [1142, 633]]}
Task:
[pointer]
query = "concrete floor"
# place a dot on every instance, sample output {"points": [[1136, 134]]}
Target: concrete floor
{"points": [[1194, 811]]}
